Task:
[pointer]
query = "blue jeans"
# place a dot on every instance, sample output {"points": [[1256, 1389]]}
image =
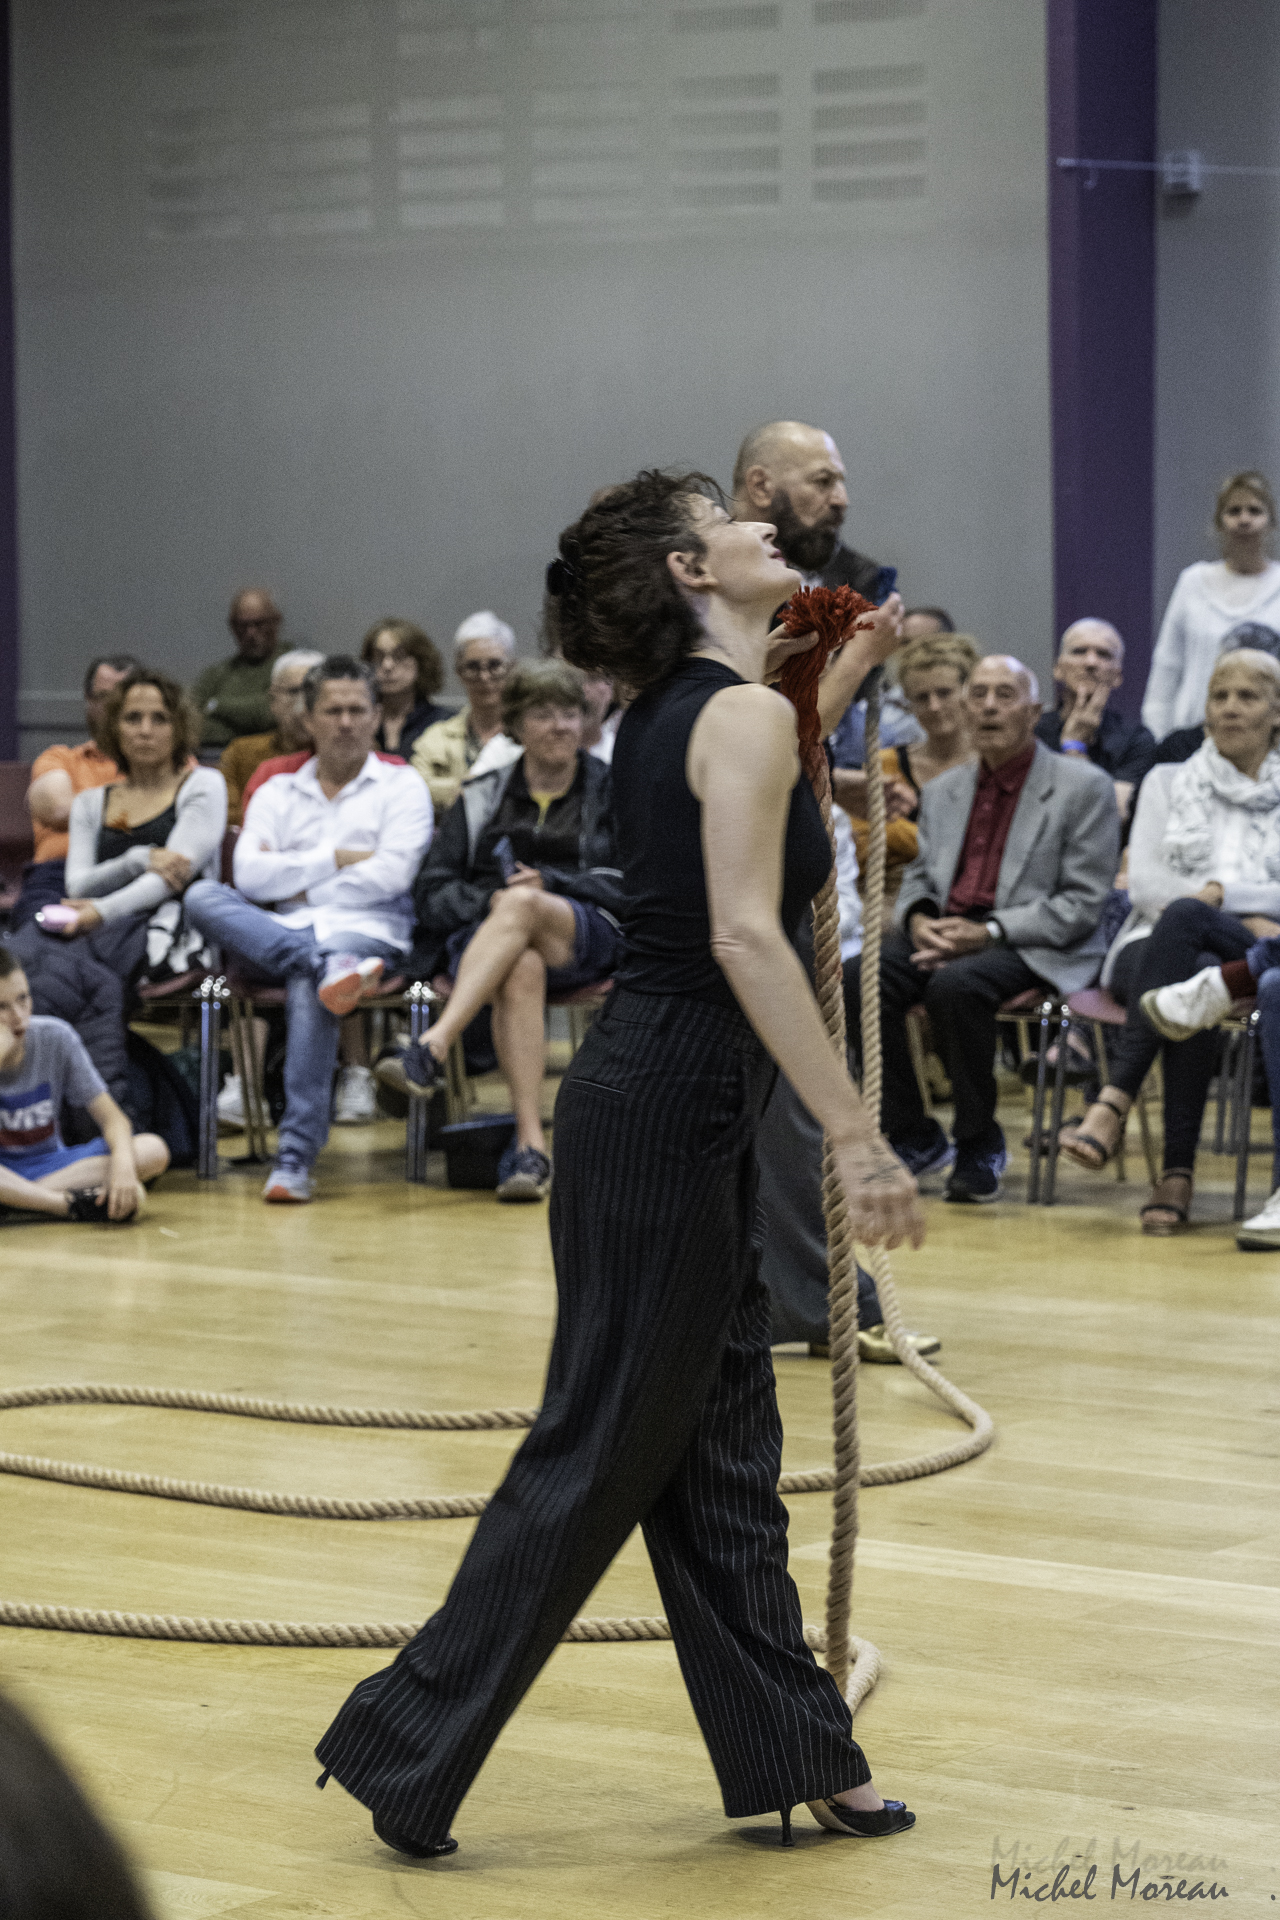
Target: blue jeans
{"points": [[294, 955]]}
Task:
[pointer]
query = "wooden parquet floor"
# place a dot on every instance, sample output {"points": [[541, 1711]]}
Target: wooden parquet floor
{"points": [[1079, 1629]]}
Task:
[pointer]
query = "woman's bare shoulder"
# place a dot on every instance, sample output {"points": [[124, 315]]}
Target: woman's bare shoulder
{"points": [[761, 710]]}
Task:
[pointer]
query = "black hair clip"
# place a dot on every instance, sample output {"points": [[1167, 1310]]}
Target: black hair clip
{"points": [[562, 575]]}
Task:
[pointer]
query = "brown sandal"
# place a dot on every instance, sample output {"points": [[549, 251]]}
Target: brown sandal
{"points": [[1071, 1147], [1158, 1204]]}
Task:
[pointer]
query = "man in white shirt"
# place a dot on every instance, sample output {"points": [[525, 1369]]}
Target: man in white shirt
{"points": [[329, 852]]}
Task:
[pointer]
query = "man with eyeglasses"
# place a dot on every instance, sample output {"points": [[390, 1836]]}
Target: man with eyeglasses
{"points": [[234, 697], [484, 648]]}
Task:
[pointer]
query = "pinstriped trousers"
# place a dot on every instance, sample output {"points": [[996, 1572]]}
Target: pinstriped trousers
{"points": [[659, 1411]]}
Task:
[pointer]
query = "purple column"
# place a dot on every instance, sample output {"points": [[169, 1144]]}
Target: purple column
{"points": [[8, 470], [1102, 105]]}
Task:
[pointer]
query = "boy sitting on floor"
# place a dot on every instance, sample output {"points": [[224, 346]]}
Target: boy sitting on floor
{"points": [[43, 1061]]}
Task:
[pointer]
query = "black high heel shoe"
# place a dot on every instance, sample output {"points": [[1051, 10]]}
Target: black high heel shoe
{"points": [[398, 1841], [893, 1817], [402, 1844]]}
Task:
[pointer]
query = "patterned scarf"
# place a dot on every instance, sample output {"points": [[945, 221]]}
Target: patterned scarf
{"points": [[1205, 782]]}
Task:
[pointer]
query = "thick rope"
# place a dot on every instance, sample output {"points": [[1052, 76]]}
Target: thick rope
{"points": [[855, 1665]]}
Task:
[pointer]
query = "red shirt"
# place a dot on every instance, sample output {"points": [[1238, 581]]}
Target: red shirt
{"points": [[988, 829]]}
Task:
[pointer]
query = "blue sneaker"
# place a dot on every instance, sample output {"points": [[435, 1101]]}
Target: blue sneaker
{"points": [[975, 1179], [523, 1174], [927, 1154]]}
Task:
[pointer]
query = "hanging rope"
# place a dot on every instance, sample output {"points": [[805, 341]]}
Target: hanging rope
{"points": [[854, 1663]]}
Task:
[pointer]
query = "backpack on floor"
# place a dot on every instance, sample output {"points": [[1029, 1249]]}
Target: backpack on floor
{"points": [[161, 1100]]}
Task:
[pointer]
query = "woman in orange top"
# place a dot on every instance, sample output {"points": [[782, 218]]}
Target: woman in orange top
{"points": [[934, 671]]}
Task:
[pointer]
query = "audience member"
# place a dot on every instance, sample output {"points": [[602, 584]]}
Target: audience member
{"points": [[1212, 600], [42, 1063], [57, 1860], [1204, 878], [409, 672], [136, 844], [1017, 856], [233, 696], [1088, 670], [919, 621], [604, 712], [57, 776], [933, 672], [519, 893], [484, 649], [241, 760], [792, 476], [330, 852]]}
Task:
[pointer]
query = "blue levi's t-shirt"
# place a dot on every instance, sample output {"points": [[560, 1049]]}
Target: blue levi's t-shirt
{"points": [[54, 1067]]}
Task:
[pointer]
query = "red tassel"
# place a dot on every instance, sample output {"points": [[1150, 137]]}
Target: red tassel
{"points": [[833, 613]]}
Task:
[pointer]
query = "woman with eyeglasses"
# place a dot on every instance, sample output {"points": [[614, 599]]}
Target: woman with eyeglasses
{"points": [[484, 649], [409, 672]]}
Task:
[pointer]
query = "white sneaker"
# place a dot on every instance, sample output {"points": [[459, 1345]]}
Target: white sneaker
{"points": [[346, 980], [1189, 1006], [231, 1113], [354, 1103], [1263, 1231]]}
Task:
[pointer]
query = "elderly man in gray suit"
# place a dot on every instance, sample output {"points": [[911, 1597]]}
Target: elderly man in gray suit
{"points": [[1017, 856]]}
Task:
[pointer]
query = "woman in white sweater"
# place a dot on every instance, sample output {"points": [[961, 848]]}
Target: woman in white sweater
{"points": [[1212, 599], [1204, 878], [136, 845]]}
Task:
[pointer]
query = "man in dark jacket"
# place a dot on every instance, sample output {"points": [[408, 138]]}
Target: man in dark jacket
{"points": [[792, 476], [1088, 670]]}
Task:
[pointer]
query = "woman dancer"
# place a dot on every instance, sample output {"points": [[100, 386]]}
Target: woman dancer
{"points": [[660, 1407]]}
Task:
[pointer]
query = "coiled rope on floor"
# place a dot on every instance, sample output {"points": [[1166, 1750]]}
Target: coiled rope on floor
{"points": [[855, 1663]]}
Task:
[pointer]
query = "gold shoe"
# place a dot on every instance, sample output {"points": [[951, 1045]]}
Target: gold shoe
{"points": [[874, 1345]]}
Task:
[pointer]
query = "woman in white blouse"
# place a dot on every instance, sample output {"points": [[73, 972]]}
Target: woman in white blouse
{"points": [[1212, 599], [1204, 878], [136, 845]]}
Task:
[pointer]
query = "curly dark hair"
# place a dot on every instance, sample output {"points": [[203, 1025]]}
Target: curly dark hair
{"points": [[613, 606], [177, 704], [412, 640]]}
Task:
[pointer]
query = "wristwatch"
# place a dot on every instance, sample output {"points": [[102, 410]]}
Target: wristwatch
{"points": [[995, 932]]}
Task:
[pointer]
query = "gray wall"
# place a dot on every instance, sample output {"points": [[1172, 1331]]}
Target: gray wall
{"points": [[361, 299], [1218, 271]]}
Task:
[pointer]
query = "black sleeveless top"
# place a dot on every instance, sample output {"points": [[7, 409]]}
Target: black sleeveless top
{"points": [[659, 828], [113, 841]]}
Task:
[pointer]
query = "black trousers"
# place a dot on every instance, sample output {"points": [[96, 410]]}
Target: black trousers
{"points": [[659, 1410], [1188, 936], [962, 999]]}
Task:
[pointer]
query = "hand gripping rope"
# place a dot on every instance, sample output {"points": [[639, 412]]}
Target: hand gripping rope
{"points": [[855, 1663]]}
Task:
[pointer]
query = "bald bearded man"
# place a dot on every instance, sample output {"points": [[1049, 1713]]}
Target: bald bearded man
{"points": [[792, 475]]}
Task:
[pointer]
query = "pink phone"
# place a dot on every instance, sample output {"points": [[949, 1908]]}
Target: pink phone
{"points": [[56, 919]]}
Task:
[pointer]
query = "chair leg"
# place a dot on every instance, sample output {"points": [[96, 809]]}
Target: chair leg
{"points": [[1037, 1109], [457, 1091], [211, 994], [416, 1126], [1244, 1114], [916, 1047], [1144, 1127], [1225, 1064], [257, 1119], [1055, 1116]]}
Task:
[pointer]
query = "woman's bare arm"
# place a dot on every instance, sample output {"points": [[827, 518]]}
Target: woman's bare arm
{"points": [[742, 764]]}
